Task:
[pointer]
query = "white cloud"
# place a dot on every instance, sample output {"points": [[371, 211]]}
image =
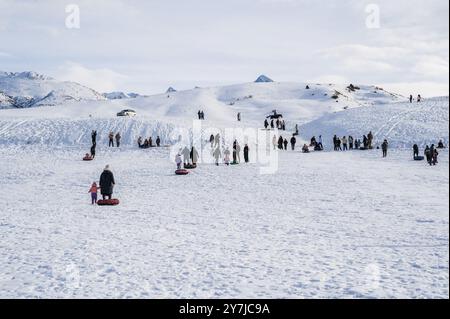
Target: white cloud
{"points": [[102, 80], [146, 45]]}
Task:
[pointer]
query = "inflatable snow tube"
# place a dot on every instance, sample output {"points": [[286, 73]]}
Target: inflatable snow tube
{"points": [[190, 166], [88, 158], [108, 202], [419, 158], [181, 172]]}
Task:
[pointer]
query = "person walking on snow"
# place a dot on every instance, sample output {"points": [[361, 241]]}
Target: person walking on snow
{"points": [[94, 137], [93, 191], [285, 144], [93, 150], [211, 140], [272, 125], [434, 157], [107, 183], [370, 140], [427, 154], [227, 154], [186, 155], [118, 138], [350, 142], [345, 143], [217, 140], [419, 98], [411, 99], [111, 139], [293, 142], [274, 142], [280, 143], [217, 155], [384, 148], [158, 141], [238, 152], [266, 124], [194, 155], [246, 151], [178, 160], [415, 151]]}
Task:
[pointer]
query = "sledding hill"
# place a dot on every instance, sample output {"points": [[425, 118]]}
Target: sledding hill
{"points": [[80, 109], [403, 124], [30, 89]]}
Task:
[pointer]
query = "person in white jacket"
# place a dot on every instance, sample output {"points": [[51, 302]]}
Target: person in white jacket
{"points": [[217, 155], [178, 160], [275, 142], [186, 155], [227, 154]]}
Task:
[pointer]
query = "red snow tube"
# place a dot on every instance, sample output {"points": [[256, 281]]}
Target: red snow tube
{"points": [[87, 158], [181, 172], [108, 202]]}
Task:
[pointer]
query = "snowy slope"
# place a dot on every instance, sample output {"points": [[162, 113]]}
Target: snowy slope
{"points": [[219, 233], [30, 89], [72, 121], [403, 124]]}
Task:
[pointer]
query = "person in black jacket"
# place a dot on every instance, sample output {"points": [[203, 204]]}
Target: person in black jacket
{"points": [[416, 151], [107, 183], [158, 141], [94, 137], [93, 150], [293, 142], [246, 151], [384, 148]]}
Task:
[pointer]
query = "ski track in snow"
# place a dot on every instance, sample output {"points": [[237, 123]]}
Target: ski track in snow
{"points": [[326, 225]]}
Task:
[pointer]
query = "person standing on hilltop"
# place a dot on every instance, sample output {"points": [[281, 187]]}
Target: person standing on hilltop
{"points": [[118, 138], [111, 139], [384, 148]]}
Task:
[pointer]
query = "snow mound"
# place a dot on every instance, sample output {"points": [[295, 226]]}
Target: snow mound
{"points": [[116, 96], [403, 124], [263, 79]]}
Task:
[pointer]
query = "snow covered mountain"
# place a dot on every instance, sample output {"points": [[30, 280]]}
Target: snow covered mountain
{"points": [[30, 89], [403, 124], [120, 95], [263, 79]]}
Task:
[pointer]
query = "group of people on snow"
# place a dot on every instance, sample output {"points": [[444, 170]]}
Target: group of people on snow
{"points": [[111, 138], [106, 186], [201, 115], [430, 153], [349, 143], [411, 98], [147, 143], [279, 123]]}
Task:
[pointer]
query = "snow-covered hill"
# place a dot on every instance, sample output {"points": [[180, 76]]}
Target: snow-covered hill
{"points": [[403, 124], [300, 103], [30, 89]]}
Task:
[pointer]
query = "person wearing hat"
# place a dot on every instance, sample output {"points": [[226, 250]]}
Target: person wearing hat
{"points": [[107, 183]]}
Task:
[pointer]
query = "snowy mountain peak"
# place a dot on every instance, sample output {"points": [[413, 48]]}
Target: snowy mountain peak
{"points": [[29, 89], [263, 79], [27, 75]]}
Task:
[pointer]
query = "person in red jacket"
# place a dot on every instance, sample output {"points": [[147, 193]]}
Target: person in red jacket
{"points": [[94, 190]]}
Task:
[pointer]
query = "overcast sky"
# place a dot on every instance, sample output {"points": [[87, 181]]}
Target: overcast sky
{"points": [[146, 46]]}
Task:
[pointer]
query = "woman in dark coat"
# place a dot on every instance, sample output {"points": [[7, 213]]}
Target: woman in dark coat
{"points": [[246, 150], [107, 183]]}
